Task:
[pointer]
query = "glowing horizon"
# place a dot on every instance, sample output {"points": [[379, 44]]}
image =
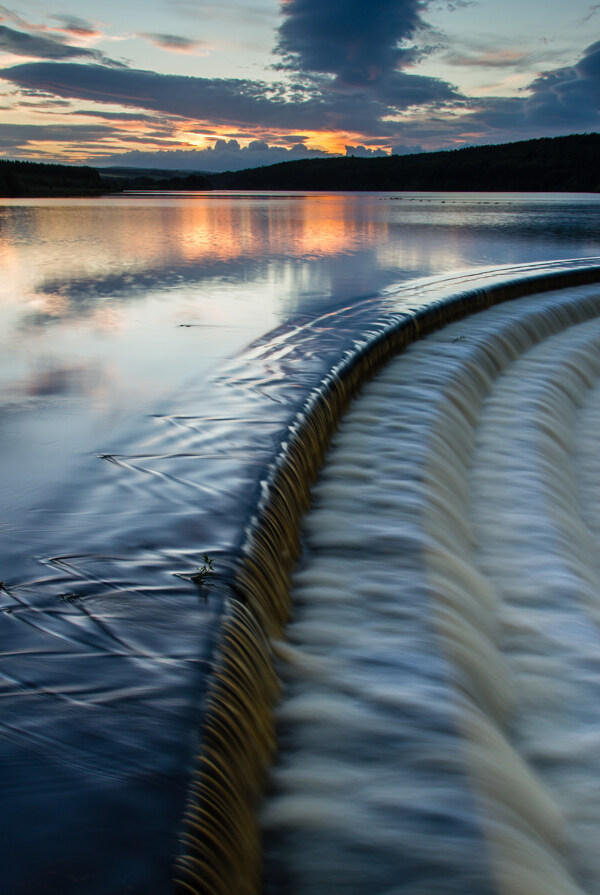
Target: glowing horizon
{"points": [[250, 82]]}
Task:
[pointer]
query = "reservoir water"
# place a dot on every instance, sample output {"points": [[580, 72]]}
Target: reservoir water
{"points": [[155, 349]]}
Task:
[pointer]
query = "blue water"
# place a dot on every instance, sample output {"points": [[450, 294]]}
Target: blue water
{"points": [[154, 350]]}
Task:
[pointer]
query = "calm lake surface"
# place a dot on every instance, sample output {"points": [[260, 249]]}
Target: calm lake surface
{"points": [[112, 306], [153, 350]]}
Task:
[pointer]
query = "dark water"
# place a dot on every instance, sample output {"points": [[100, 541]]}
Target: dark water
{"points": [[154, 350]]}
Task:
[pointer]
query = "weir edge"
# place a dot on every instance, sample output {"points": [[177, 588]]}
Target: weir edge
{"points": [[220, 838]]}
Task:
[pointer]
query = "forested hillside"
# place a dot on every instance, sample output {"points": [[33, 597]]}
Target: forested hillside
{"points": [[563, 164], [559, 164], [32, 179]]}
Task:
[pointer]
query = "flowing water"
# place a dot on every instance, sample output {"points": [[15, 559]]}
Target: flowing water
{"points": [[440, 722], [155, 350]]}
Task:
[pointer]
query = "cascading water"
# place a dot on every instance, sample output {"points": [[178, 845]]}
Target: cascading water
{"points": [[439, 721]]}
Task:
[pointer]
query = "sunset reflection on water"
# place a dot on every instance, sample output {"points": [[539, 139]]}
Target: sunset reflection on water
{"points": [[120, 300]]}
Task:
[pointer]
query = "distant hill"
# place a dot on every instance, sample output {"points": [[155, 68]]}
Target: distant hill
{"points": [[31, 179], [155, 179], [558, 164], [18, 179]]}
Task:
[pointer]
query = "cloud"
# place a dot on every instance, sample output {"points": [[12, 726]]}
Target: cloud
{"points": [[403, 149], [41, 102], [237, 102], [453, 5], [22, 44], [174, 42], [70, 24], [115, 116], [359, 89], [364, 152], [19, 43], [358, 49], [20, 136], [227, 155], [593, 10], [560, 101], [9, 15], [75, 25], [402, 91], [225, 10], [490, 59], [356, 41], [225, 100], [568, 96]]}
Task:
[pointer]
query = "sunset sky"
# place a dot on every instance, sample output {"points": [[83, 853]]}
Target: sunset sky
{"points": [[231, 84]]}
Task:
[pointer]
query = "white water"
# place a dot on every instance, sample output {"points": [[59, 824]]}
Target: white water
{"points": [[441, 722]]}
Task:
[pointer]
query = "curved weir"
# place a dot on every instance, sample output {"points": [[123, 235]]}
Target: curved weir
{"points": [[416, 752]]}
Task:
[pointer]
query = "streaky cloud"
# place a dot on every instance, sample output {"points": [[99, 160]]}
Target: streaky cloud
{"points": [[19, 136], [490, 59], [115, 116], [38, 46], [75, 25], [235, 102], [174, 42]]}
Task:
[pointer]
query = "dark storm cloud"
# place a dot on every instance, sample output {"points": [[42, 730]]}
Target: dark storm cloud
{"points": [[356, 41], [560, 101], [222, 100], [235, 102], [401, 91], [174, 42], [568, 95], [38, 46]]}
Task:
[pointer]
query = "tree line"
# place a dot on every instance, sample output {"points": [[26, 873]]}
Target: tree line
{"points": [[557, 164], [31, 179]]}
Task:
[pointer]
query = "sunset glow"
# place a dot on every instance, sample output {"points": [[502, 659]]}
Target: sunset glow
{"points": [[228, 86]]}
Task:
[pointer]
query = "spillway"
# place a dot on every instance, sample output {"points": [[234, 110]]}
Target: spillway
{"points": [[438, 720]]}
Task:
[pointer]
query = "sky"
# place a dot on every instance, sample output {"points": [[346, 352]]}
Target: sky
{"points": [[213, 86]]}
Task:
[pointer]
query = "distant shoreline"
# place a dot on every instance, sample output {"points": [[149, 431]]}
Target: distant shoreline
{"points": [[551, 164]]}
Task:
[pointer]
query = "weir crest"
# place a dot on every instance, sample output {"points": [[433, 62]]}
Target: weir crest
{"points": [[442, 563]]}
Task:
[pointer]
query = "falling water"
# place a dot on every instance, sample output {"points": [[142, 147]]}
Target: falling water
{"points": [[440, 723]]}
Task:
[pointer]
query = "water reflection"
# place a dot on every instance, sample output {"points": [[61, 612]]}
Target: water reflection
{"points": [[107, 306]]}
